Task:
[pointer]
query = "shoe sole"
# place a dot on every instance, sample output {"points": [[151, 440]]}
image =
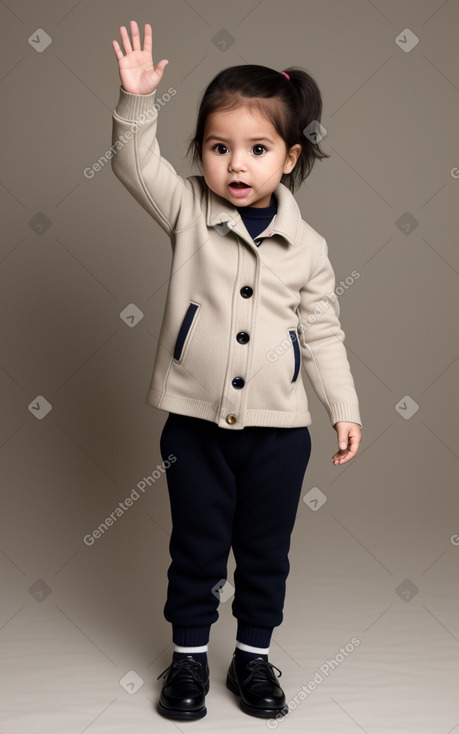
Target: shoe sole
{"points": [[254, 710], [180, 713], [183, 714]]}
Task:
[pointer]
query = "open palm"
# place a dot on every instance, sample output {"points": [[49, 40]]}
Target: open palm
{"points": [[137, 73]]}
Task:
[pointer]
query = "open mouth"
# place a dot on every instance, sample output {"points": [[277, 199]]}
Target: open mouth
{"points": [[239, 188]]}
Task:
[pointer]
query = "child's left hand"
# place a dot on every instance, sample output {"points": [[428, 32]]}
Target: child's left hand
{"points": [[349, 437]]}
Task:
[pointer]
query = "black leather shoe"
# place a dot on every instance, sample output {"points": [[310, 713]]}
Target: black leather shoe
{"points": [[185, 685], [259, 691]]}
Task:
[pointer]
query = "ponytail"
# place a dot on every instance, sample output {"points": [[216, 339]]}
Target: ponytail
{"points": [[307, 112]]}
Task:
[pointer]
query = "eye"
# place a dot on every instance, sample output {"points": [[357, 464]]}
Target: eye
{"points": [[220, 145], [258, 149]]}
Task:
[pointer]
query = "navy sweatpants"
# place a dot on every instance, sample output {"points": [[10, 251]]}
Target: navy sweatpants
{"points": [[230, 488]]}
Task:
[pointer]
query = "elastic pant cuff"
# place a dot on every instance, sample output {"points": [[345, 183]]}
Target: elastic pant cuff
{"points": [[255, 636], [190, 636]]}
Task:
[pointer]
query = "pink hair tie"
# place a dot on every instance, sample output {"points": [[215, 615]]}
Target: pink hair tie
{"points": [[285, 74]]}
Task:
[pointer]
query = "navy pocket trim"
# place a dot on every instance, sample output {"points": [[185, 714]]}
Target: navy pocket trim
{"points": [[296, 352], [184, 329]]}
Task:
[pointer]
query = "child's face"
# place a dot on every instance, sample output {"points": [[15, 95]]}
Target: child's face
{"points": [[239, 145]]}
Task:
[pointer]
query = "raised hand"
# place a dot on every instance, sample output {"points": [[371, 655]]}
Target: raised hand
{"points": [[137, 73]]}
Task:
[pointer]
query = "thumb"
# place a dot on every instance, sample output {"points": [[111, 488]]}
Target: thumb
{"points": [[161, 65], [158, 71]]}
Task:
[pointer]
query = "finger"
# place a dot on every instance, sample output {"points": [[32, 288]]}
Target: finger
{"points": [[353, 443], [126, 40], [148, 38], [342, 459], [117, 50], [350, 452], [135, 36], [342, 456]]}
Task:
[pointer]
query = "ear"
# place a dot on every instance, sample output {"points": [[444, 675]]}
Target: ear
{"points": [[291, 158]]}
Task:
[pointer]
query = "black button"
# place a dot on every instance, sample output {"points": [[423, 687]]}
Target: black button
{"points": [[243, 337], [246, 291], [237, 383]]}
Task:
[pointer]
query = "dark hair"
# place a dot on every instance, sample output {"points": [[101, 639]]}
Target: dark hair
{"points": [[290, 104]]}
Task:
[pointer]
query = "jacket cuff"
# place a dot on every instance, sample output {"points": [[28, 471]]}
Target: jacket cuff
{"points": [[130, 106], [345, 412]]}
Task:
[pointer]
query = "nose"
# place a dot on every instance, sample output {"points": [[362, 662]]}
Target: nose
{"points": [[236, 162]]}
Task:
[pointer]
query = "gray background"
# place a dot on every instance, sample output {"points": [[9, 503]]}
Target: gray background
{"points": [[378, 561]]}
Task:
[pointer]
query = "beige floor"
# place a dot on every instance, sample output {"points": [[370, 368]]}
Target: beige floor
{"points": [[61, 674]]}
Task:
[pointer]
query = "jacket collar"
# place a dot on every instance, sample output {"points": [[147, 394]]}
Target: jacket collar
{"points": [[286, 223]]}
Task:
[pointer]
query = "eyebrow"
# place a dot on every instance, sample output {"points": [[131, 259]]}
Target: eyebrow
{"points": [[249, 140]]}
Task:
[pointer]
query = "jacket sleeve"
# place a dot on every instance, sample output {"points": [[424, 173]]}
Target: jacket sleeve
{"points": [[321, 340], [137, 162]]}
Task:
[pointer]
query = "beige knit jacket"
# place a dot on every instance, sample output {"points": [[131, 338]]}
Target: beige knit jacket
{"points": [[239, 319]]}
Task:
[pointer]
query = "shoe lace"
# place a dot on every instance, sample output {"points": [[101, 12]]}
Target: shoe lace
{"points": [[191, 666], [263, 669]]}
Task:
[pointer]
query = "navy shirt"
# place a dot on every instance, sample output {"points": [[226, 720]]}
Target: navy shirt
{"points": [[255, 218]]}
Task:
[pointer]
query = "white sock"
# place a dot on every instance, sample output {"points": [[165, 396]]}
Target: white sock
{"points": [[249, 648], [179, 648]]}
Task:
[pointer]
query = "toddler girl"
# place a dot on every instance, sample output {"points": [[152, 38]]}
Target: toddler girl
{"points": [[250, 300]]}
